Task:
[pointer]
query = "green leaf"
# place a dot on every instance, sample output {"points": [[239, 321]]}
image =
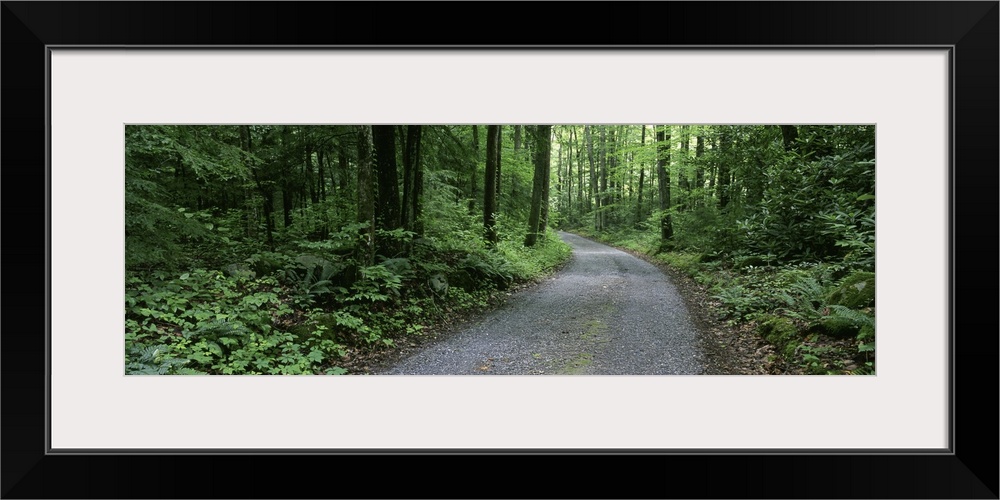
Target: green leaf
{"points": [[185, 276], [865, 197]]}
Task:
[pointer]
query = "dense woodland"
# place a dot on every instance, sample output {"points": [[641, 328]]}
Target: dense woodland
{"points": [[281, 249]]}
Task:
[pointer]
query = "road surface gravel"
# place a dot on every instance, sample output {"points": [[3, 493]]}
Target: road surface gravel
{"points": [[605, 312]]}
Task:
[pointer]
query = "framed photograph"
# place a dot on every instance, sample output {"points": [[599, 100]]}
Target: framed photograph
{"points": [[924, 73]]}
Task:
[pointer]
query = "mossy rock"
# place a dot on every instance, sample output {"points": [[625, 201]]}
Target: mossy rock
{"points": [[780, 332], [857, 290]]}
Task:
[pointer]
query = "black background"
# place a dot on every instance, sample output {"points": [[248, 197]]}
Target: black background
{"points": [[971, 472]]}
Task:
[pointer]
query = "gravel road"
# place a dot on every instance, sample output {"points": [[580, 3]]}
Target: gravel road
{"points": [[605, 313]]}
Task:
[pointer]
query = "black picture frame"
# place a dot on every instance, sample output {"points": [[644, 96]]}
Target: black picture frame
{"points": [[969, 471]]}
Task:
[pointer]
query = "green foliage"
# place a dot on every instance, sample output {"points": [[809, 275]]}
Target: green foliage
{"points": [[855, 291], [155, 360], [781, 333]]}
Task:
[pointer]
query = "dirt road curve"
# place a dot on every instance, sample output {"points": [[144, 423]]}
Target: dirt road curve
{"points": [[605, 313]]}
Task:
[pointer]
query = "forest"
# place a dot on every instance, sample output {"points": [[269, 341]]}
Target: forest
{"points": [[286, 249]]}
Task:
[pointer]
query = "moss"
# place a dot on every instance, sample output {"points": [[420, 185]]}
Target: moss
{"points": [[578, 364], [857, 290], [780, 332], [838, 326]]}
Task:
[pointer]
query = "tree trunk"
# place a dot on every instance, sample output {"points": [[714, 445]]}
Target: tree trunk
{"points": [[642, 177], [603, 196], [490, 189], [722, 187], [537, 188], [593, 177], [569, 176], [342, 167], [699, 175], [579, 171], [387, 205], [473, 187], [663, 177], [788, 135], [322, 179], [543, 222], [263, 187], [413, 180], [366, 195], [683, 181]]}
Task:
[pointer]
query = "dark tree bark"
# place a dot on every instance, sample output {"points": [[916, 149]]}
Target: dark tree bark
{"points": [[366, 194], [663, 177], [413, 180], [788, 135], [387, 204], [542, 160], [490, 188]]}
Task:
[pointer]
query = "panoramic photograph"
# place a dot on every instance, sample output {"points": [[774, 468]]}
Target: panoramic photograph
{"points": [[400, 249]]}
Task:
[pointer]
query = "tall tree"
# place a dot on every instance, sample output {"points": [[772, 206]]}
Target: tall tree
{"points": [[264, 186], [542, 165], [490, 190], [602, 203], [683, 179], [473, 187], [366, 194], [588, 138], [722, 187], [543, 221], [642, 178], [387, 205], [699, 176], [413, 180], [663, 176]]}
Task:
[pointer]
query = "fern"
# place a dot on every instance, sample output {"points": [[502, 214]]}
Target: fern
{"points": [[153, 360], [804, 299]]}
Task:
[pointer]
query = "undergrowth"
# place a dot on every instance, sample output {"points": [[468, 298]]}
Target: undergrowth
{"points": [[303, 310]]}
